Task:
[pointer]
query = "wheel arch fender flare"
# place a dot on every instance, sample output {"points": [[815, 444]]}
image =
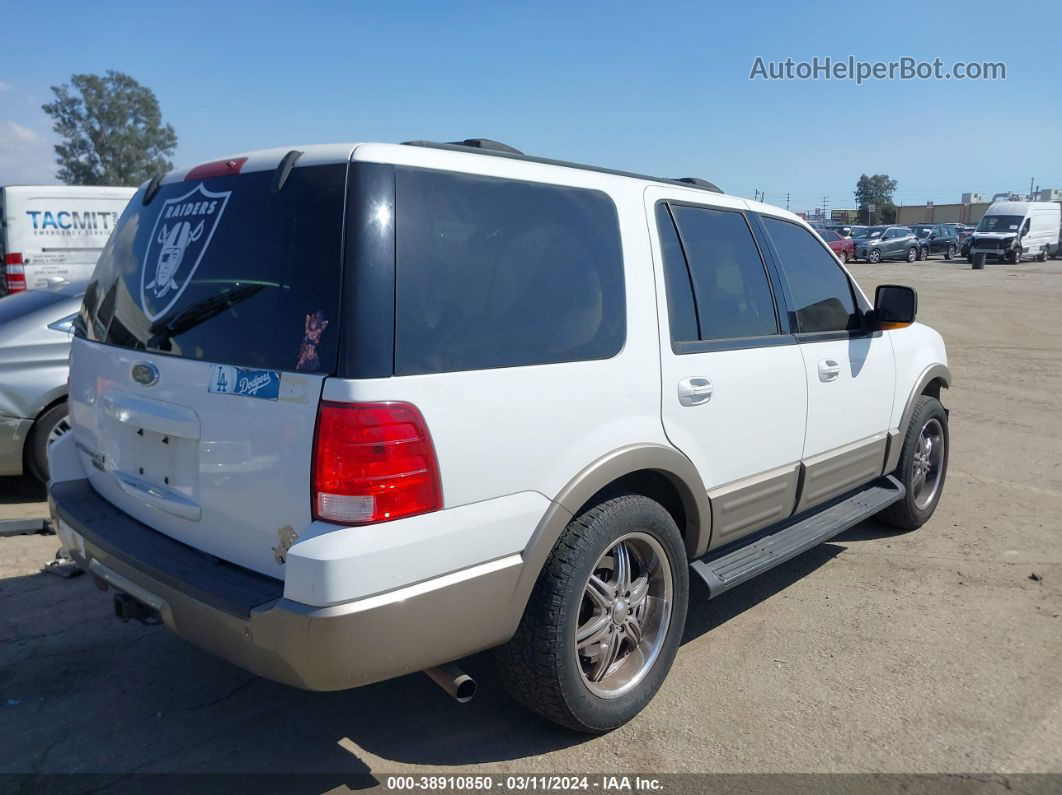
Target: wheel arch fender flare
{"points": [[934, 377], [665, 461]]}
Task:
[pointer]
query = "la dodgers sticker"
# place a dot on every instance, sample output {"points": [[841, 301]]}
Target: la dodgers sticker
{"points": [[227, 380], [182, 232]]}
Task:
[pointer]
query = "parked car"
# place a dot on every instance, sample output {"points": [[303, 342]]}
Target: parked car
{"points": [[540, 415], [1010, 230], [35, 334], [888, 242], [843, 247], [937, 239]]}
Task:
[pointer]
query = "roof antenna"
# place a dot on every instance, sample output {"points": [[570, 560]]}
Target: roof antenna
{"points": [[287, 163], [152, 189]]}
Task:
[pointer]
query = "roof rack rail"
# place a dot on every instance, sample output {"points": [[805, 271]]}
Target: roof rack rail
{"points": [[470, 143], [487, 147], [700, 183]]}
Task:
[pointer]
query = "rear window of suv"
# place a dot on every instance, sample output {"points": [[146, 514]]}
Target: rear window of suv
{"points": [[228, 270], [494, 272]]}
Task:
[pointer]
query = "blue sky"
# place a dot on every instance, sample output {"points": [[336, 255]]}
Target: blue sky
{"points": [[662, 90]]}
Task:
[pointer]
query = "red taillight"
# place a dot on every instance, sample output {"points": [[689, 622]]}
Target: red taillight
{"points": [[15, 272], [219, 168], [373, 462]]}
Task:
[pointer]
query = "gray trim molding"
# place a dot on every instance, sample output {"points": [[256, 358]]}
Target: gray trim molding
{"points": [[935, 372], [836, 471], [747, 505]]}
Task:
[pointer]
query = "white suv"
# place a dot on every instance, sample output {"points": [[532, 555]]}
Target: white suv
{"points": [[350, 412]]}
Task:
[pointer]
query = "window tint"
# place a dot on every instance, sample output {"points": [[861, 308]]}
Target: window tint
{"points": [[682, 313], [499, 273], [730, 284], [819, 292], [227, 270]]}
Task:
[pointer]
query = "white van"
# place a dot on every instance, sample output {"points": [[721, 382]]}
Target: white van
{"points": [[1012, 230], [52, 233]]}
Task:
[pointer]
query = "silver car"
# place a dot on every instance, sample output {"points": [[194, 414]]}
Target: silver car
{"points": [[35, 331]]}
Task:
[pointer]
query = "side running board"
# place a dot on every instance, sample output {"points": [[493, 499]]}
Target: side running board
{"points": [[734, 564]]}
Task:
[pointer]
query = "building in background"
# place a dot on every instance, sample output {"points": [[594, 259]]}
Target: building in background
{"points": [[1049, 195], [930, 213], [973, 198]]}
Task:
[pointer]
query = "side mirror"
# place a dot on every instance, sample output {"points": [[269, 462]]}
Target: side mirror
{"points": [[932, 235], [895, 305]]}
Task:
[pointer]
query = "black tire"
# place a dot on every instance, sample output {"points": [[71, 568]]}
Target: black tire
{"points": [[844, 256], [950, 252], [912, 254], [874, 257], [1014, 256], [540, 666], [1042, 256], [37, 443], [907, 514]]}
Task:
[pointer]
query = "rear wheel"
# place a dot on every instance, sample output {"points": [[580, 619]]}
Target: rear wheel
{"points": [[923, 466], [47, 429], [605, 618], [950, 252], [844, 256]]}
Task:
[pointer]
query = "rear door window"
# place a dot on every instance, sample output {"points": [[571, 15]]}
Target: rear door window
{"points": [[228, 270], [494, 272], [730, 284], [819, 291]]}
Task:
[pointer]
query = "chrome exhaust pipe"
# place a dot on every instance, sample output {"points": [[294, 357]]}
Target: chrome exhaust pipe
{"points": [[454, 681]]}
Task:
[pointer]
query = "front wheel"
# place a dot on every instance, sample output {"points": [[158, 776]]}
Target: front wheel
{"points": [[950, 252], [1014, 256], [923, 466], [923, 254], [874, 256], [47, 429], [605, 617], [912, 254]]}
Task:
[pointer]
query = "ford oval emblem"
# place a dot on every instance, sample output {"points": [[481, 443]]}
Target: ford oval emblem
{"points": [[145, 373]]}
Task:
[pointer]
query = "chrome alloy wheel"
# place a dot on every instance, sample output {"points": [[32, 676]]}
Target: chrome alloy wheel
{"points": [[928, 464], [624, 615], [61, 428]]}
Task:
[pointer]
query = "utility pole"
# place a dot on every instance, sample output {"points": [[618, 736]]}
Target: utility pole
{"points": [[787, 201], [1031, 188], [825, 206]]}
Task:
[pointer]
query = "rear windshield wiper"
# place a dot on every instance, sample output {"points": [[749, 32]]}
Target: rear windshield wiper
{"points": [[197, 313]]}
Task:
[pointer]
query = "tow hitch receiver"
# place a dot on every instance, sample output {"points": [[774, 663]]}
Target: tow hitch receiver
{"points": [[129, 609]]}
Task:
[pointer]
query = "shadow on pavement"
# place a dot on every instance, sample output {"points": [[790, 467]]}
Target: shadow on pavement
{"points": [[21, 489], [80, 691]]}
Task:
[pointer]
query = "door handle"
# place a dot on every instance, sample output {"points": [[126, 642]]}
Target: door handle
{"points": [[695, 390], [829, 370]]}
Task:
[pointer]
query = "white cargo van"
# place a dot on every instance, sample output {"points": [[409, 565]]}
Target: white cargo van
{"points": [[1012, 230], [52, 233]]}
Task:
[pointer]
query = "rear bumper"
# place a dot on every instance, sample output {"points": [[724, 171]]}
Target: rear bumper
{"points": [[243, 616], [13, 432]]}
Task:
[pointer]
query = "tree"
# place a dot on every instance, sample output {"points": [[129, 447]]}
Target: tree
{"points": [[112, 131], [876, 190]]}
